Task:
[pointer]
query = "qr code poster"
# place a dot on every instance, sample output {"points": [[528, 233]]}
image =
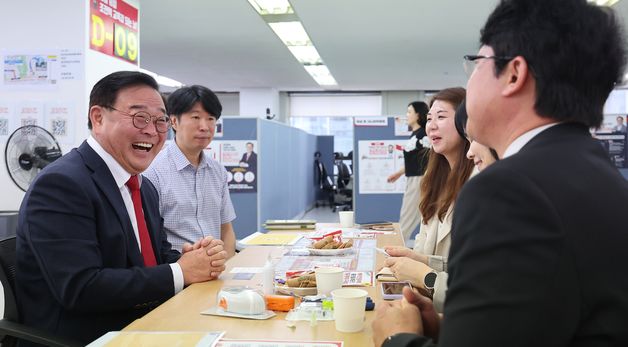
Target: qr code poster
{"points": [[7, 121], [29, 113], [58, 121], [4, 126]]}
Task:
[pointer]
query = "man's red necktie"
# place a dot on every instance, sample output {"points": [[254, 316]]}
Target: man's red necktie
{"points": [[145, 244]]}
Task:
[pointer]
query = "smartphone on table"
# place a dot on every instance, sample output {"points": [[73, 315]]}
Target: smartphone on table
{"points": [[393, 290]]}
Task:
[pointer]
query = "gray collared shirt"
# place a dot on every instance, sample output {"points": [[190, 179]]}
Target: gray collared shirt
{"points": [[194, 202]]}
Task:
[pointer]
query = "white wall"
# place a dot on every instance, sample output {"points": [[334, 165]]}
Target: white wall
{"points": [[53, 27], [329, 105], [395, 103], [230, 103], [254, 101]]}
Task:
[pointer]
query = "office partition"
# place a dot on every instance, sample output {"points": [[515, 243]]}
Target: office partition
{"points": [[287, 184], [374, 206]]}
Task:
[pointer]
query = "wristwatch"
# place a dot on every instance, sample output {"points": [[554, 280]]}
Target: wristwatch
{"points": [[429, 280]]}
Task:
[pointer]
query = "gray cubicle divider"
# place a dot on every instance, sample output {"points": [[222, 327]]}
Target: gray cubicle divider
{"points": [[373, 207], [244, 203], [287, 185], [286, 182]]}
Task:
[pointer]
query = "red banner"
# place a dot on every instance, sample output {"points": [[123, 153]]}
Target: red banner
{"points": [[113, 29]]}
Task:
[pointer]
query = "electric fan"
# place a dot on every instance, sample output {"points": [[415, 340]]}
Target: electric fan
{"points": [[29, 149]]}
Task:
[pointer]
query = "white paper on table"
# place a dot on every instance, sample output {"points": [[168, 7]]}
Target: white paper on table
{"points": [[248, 270]]}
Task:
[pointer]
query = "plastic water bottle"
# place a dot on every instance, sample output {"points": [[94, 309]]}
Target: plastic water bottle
{"points": [[268, 281]]}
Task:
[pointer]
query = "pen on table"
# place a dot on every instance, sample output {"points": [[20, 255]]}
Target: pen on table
{"points": [[377, 232], [383, 251]]}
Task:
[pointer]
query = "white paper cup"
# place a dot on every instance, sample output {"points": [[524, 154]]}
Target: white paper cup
{"points": [[328, 279], [346, 219], [349, 306]]}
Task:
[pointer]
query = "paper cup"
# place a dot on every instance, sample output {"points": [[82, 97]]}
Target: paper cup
{"points": [[328, 279], [349, 305], [346, 219]]}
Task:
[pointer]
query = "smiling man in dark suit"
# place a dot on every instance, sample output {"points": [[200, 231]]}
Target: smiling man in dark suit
{"points": [[538, 255], [92, 255]]}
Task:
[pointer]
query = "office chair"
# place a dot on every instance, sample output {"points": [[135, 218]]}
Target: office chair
{"points": [[8, 223], [343, 197], [344, 175], [325, 184], [10, 329]]}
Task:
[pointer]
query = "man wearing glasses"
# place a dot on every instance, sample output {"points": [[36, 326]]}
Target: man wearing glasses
{"points": [[193, 192], [92, 255], [539, 253]]}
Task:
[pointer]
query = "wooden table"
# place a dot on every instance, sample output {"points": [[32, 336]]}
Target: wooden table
{"points": [[182, 312]]}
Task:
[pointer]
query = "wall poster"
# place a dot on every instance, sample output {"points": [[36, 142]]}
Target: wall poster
{"points": [[240, 160], [377, 160]]}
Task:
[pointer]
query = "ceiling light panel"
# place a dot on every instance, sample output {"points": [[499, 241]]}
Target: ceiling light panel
{"points": [[285, 23], [291, 33], [163, 80], [264, 7], [306, 55], [321, 75]]}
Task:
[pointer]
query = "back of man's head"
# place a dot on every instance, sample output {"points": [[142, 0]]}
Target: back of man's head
{"points": [[574, 50], [105, 91], [183, 99]]}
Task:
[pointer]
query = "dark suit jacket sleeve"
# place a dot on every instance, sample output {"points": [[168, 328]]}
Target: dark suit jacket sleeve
{"points": [[168, 255], [508, 281], [63, 231]]}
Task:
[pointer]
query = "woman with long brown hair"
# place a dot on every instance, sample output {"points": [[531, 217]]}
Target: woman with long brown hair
{"points": [[447, 170], [415, 162]]}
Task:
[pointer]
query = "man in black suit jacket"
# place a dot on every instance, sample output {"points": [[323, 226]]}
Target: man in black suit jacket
{"points": [[80, 270], [538, 252]]}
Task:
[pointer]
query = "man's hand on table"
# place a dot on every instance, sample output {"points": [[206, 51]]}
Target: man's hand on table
{"points": [[413, 314], [202, 261], [395, 317]]}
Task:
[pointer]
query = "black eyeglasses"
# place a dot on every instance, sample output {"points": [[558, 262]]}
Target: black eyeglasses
{"points": [[469, 61], [141, 119]]}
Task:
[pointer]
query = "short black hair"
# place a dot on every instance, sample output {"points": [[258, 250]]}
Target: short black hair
{"points": [[575, 52], [183, 99], [105, 91], [421, 109]]}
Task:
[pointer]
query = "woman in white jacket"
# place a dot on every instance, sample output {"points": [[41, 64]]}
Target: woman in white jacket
{"points": [[447, 170]]}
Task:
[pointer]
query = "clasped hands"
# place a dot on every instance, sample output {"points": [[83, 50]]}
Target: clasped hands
{"points": [[413, 314], [202, 261]]}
